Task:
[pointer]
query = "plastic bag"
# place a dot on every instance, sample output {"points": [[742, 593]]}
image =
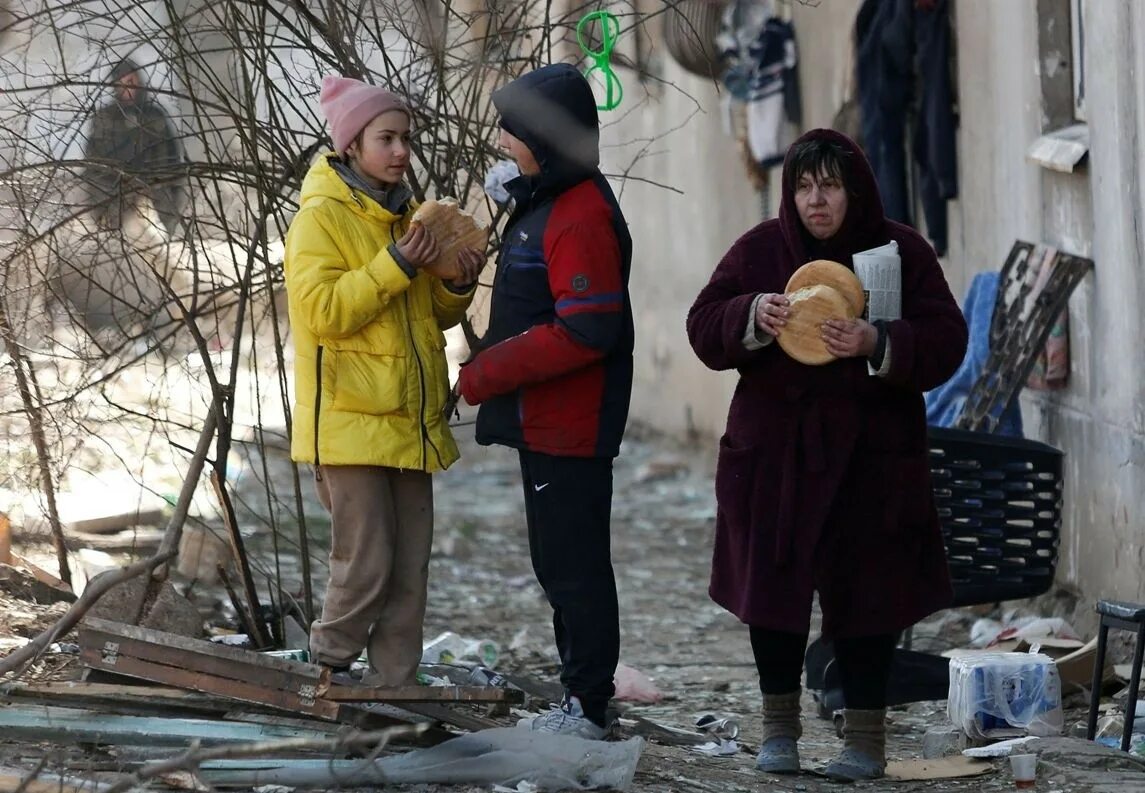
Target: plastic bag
{"points": [[1002, 695], [632, 685], [504, 756]]}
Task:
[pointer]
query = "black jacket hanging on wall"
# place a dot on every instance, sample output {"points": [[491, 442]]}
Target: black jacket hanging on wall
{"points": [[934, 135], [899, 42]]}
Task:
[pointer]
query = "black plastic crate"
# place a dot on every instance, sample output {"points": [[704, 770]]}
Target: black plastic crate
{"points": [[999, 501]]}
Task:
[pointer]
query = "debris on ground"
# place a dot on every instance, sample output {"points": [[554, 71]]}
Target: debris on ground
{"points": [[111, 700]]}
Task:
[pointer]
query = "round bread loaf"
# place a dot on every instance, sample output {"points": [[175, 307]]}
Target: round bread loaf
{"points": [[454, 229], [832, 274], [811, 306]]}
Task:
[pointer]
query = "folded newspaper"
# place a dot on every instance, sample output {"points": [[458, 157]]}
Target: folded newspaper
{"points": [[880, 271]]}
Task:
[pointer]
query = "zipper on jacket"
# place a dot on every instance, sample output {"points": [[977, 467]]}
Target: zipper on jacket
{"points": [[318, 414], [421, 380]]}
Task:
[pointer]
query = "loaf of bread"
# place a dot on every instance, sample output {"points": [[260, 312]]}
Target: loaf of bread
{"points": [[811, 306], [454, 229], [833, 274]]}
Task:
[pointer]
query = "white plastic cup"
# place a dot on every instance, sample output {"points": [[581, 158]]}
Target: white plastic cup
{"points": [[1025, 769]]}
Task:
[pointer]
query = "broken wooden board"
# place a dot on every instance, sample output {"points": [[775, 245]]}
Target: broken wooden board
{"points": [[72, 725], [20, 582], [5, 539], [142, 700], [400, 694], [378, 715], [663, 734], [110, 524], [127, 541], [939, 768], [257, 678], [454, 718], [15, 779], [203, 666], [134, 698], [546, 690], [116, 697], [1076, 668]]}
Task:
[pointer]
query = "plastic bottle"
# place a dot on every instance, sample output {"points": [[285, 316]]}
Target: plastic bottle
{"points": [[450, 648], [484, 650], [447, 648]]}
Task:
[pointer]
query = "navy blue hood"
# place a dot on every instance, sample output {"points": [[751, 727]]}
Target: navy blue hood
{"points": [[553, 112]]}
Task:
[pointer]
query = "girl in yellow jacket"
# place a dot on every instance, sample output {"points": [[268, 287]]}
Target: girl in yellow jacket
{"points": [[370, 378]]}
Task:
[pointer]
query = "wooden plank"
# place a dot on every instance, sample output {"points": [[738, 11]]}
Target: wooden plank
{"points": [[201, 647], [140, 697], [541, 689], [112, 648], [147, 699], [66, 726], [215, 659], [139, 540], [466, 721], [378, 716], [110, 524], [669, 736], [399, 694], [211, 684], [5, 539], [163, 649], [15, 779]]}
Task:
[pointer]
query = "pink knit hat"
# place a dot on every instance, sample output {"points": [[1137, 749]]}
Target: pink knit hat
{"points": [[349, 105]]}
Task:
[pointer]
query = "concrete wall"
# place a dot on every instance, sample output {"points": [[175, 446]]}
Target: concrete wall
{"points": [[1004, 50], [679, 239], [1100, 419], [1095, 211]]}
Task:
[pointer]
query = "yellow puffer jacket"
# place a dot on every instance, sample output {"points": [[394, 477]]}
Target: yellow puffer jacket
{"points": [[369, 355]]}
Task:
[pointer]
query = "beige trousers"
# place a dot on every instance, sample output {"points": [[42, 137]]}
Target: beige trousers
{"points": [[381, 534]]}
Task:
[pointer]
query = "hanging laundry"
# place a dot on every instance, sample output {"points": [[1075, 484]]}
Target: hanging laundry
{"points": [[760, 51], [934, 136], [899, 43], [884, 75]]}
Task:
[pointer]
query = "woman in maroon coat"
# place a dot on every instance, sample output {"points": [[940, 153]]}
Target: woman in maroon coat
{"points": [[823, 482]]}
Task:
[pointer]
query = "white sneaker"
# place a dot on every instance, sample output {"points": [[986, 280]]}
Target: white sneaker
{"points": [[566, 719]]}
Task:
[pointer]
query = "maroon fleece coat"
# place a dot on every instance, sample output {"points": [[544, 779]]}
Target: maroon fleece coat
{"points": [[823, 480]]}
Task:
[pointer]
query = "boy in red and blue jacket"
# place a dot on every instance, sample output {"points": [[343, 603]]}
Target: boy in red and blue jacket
{"points": [[555, 378]]}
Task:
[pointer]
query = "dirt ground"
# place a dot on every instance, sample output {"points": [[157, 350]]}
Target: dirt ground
{"points": [[482, 585], [694, 651]]}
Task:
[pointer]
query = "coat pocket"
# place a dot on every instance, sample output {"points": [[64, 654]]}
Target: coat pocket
{"points": [[735, 484], [373, 385]]}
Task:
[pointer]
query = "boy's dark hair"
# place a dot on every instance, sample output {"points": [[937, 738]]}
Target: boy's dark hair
{"points": [[817, 157]]}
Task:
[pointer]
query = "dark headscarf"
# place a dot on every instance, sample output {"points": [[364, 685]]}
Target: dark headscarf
{"points": [[864, 226]]}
